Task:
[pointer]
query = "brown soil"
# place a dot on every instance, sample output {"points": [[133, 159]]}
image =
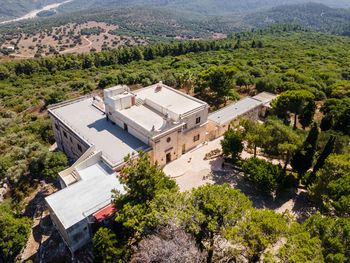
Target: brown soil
{"points": [[29, 44]]}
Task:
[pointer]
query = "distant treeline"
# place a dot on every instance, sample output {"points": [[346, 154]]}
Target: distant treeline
{"points": [[127, 55]]}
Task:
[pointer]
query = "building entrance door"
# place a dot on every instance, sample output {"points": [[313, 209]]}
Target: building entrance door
{"points": [[183, 148], [168, 157]]}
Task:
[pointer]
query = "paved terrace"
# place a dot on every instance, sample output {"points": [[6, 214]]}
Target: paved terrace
{"points": [[92, 126]]}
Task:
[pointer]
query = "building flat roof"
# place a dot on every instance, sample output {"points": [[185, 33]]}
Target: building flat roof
{"points": [[169, 98], [144, 117], [92, 126], [234, 110], [265, 97], [93, 192]]}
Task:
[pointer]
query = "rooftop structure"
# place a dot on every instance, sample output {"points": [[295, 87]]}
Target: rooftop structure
{"points": [[152, 110], [90, 194], [234, 110], [90, 124], [265, 97], [166, 99]]}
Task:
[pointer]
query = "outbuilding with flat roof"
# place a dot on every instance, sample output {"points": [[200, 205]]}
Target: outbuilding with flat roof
{"points": [[220, 121]]}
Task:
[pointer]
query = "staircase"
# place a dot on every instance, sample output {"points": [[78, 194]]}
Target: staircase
{"points": [[138, 102]]}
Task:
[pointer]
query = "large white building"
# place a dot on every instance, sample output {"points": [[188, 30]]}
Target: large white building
{"points": [[97, 134]]}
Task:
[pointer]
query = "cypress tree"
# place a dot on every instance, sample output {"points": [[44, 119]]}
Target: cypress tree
{"points": [[238, 44], [306, 117], [253, 44], [303, 158], [328, 149]]}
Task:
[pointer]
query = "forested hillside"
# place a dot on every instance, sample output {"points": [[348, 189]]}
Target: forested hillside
{"points": [[303, 66], [15, 8], [207, 7], [317, 17]]}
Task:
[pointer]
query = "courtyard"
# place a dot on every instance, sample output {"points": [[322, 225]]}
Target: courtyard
{"points": [[191, 171]]}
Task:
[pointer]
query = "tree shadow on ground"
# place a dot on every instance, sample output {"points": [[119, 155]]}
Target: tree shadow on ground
{"points": [[300, 203]]}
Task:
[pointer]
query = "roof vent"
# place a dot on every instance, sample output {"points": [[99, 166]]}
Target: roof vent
{"points": [[158, 88]]}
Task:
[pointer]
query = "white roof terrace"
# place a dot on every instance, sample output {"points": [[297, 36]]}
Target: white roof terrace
{"points": [[93, 192], [90, 124], [165, 99]]}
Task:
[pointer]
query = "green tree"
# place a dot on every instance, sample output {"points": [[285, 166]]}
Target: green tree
{"points": [[105, 246], [55, 97], [293, 101], [271, 83], [258, 230], [216, 207], [301, 247], [244, 79], [218, 80], [266, 175], [334, 235], [14, 233], [55, 163], [253, 133], [143, 181], [307, 115], [280, 140], [187, 82], [331, 188], [231, 145], [328, 149], [303, 158], [4, 73]]}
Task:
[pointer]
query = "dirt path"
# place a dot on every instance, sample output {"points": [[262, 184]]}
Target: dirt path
{"points": [[80, 47], [36, 209]]}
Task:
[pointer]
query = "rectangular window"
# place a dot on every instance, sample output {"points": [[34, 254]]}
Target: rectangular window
{"points": [[65, 134], [79, 148], [196, 138], [70, 138], [198, 120], [56, 126]]}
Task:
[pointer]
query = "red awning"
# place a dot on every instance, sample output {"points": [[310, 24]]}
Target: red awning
{"points": [[105, 212]]}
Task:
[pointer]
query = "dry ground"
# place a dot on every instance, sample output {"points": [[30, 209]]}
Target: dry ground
{"points": [[191, 171], [88, 42]]}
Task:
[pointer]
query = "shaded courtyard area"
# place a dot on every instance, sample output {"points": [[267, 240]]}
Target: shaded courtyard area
{"points": [[191, 171]]}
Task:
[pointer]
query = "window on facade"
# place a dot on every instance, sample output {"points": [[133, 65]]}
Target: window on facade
{"points": [[198, 120], [65, 134], [56, 126], [70, 138], [185, 126], [79, 148], [168, 139], [196, 138]]}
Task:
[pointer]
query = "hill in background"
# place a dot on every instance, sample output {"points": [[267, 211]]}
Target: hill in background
{"points": [[317, 17], [10, 9], [206, 7]]}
